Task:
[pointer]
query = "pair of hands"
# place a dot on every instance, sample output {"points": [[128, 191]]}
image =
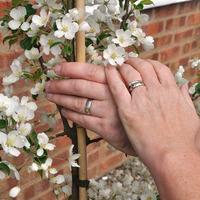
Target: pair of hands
{"points": [[152, 121]]}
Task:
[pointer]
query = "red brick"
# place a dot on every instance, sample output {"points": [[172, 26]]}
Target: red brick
{"points": [[3, 6], [170, 53], [188, 7], [163, 40], [187, 48], [184, 61], [154, 28], [166, 11], [183, 35], [175, 23], [193, 19]]}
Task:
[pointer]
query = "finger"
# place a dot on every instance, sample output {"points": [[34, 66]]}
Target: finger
{"points": [[76, 87], [89, 122], [146, 71], [117, 86], [185, 91], [164, 74], [77, 104], [81, 71], [129, 74]]}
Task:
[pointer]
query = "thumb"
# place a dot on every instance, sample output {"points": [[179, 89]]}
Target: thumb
{"points": [[117, 87]]}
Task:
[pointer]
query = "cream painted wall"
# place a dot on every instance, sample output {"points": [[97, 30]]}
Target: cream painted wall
{"points": [[158, 3]]}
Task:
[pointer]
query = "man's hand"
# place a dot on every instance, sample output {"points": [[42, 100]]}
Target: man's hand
{"points": [[87, 81]]}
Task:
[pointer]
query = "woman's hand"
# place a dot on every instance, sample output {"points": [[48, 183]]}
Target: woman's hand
{"points": [[159, 117], [88, 81]]}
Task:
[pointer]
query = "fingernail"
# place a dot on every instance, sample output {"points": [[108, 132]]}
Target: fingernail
{"points": [[47, 86], [57, 69]]}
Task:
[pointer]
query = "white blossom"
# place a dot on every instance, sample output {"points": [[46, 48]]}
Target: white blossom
{"points": [[72, 158], [48, 119], [24, 129], [74, 14], [42, 19], [195, 63], [38, 89], [17, 72], [33, 30], [84, 26], [12, 141], [47, 41], [141, 18], [192, 89], [59, 179], [66, 28], [14, 192], [148, 43], [32, 54], [114, 55], [25, 110], [179, 76], [52, 4], [18, 14], [124, 38], [43, 141]]}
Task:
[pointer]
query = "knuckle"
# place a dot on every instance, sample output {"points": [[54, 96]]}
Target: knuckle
{"points": [[78, 105], [144, 63], [53, 86], [93, 72], [63, 68], [75, 86]]}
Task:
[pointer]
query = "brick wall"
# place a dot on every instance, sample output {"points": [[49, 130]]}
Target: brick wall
{"points": [[176, 29]]}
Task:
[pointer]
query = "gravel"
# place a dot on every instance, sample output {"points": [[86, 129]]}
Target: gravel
{"points": [[131, 181]]}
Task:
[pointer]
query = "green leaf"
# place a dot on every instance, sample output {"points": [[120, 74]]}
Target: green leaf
{"points": [[9, 37], [140, 6], [33, 138], [27, 75], [102, 36], [12, 41], [56, 43], [197, 88], [67, 50], [4, 168], [3, 123], [41, 159], [35, 97], [28, 43], [30, 10], [37, 74], [146, 2], [16, 2], [88, 42], [27, 150]]}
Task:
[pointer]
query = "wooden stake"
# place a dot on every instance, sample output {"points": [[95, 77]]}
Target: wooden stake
{"points": [[81, 132]]}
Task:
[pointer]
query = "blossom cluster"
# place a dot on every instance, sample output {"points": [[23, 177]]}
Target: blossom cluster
{"points": [[194, 89], [17, 135], [46, 31]]}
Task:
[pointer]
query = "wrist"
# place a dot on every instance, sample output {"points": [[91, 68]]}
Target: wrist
{"points": [[174, 173]]}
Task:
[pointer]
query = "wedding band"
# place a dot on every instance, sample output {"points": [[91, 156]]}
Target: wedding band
{"points": [[88, 106], [135, 84]]}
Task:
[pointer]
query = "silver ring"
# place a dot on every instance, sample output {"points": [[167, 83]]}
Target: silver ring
{"points": [[135, 84], [88, 106]]}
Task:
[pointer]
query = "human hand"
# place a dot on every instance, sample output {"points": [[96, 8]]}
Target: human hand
{"points": [[159, 117], [88, 81]]}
